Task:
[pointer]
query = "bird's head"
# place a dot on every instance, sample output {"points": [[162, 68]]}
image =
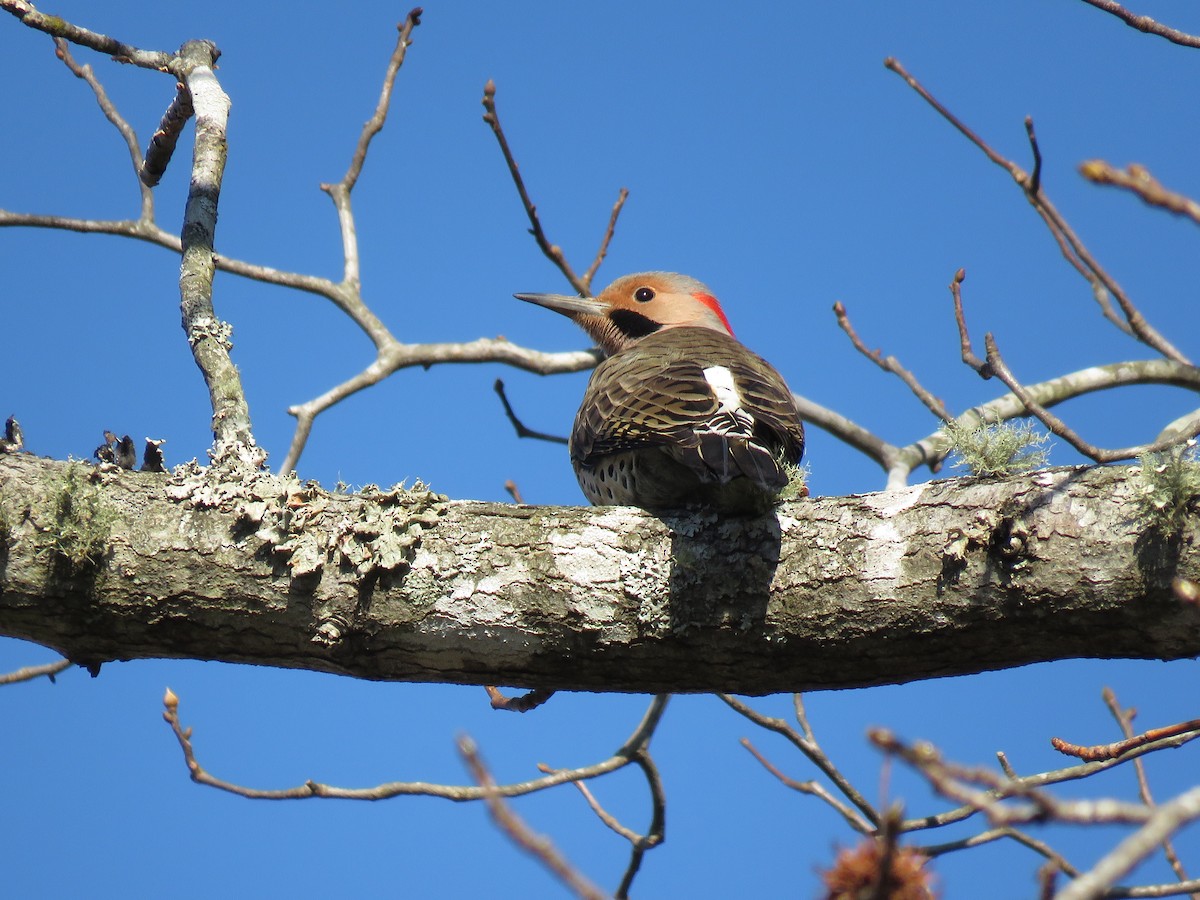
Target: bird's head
{"points": [[637, 305]]}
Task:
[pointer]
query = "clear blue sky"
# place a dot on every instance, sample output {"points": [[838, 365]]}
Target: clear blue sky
{"points": [[769, 154]]}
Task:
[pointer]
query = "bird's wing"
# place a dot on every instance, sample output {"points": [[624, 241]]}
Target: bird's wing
{"points": [[665, 393]]}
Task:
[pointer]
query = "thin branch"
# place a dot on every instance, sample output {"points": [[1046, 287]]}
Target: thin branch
{"points": [[995, 834], [814, 789], [552, 251], [1035, 177], [964, 338], [623, 756], [519, 426], [1057, 426], [1022, 785], [538, 846], [1161, 823], [28, 673], [120, 52], [1117, 748], [1047, 876], [639, 843], [1137, 178], [399, 356], [994, 366], [340, 192], [375, 124], [811, 749], [1072, 247], [957, 783], [1145, 23], [63, 52], [847, 430], [393, 355], [605, 241], [932, 448], [892, 365], [1124, 719], [658, 823]]}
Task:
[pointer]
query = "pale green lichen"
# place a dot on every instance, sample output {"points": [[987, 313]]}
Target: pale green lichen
{"points": [[82, 521], [797, 486], [1167, 487], [1002, 448]]}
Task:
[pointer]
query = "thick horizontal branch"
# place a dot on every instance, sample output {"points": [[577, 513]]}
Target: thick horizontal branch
{"points": [[945, 578]]}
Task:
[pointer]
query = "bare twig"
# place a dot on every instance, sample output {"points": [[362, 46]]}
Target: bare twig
{"points": [[960, 783], [1057, 426], [1073, 249], [63, 52], [812, 788], [1138, 179], [995, 834], [891, 364], [846, 429], [994, 366], [622, 757], [602, 252], [120, 52], [553, 252], [1145, 23], [524, 703], [538, 846], [658, 823], [340, 192], [811, 749], [375, 124], [1035, 177], [1117, 748], [1124, 719], [514, 491], [28, 673], [640, 843], [931, 449], [1162, 822], [519, 426], [968, 354]]}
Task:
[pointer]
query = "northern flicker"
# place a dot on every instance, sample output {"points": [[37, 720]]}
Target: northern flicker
{"points": [[679, 413]]}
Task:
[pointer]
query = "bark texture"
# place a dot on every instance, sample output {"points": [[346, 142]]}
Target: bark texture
{"points": [[945, 578]]}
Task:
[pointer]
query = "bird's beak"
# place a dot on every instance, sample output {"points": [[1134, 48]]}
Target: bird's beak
{"points": [[567, 305]]}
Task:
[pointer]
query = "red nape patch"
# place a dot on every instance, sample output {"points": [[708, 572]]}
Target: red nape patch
{"points": [[711, 302]]}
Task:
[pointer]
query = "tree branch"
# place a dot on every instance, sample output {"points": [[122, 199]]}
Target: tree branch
{"points": [[120, 52], [514, 827], [1145, 23], [29, 673], [406, 586], [1072, 247], [1138, 180], [207, 335]]}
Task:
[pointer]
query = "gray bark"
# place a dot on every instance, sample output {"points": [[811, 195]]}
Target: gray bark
{"points": [[946, 578]]}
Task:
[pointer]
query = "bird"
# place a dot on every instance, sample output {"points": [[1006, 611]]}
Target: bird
{"points": [[679, 413]]}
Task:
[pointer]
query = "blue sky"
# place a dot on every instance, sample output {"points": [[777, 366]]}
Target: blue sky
{"points": [[768, 153]]}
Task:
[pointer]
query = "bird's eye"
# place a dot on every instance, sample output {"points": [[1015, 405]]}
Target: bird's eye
{"points": [[643, 295]]}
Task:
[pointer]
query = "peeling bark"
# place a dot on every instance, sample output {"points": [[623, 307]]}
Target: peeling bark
{"points": [[946, 578]]}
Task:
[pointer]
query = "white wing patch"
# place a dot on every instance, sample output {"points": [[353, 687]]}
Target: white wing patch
{"points": [[720, 379]]}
